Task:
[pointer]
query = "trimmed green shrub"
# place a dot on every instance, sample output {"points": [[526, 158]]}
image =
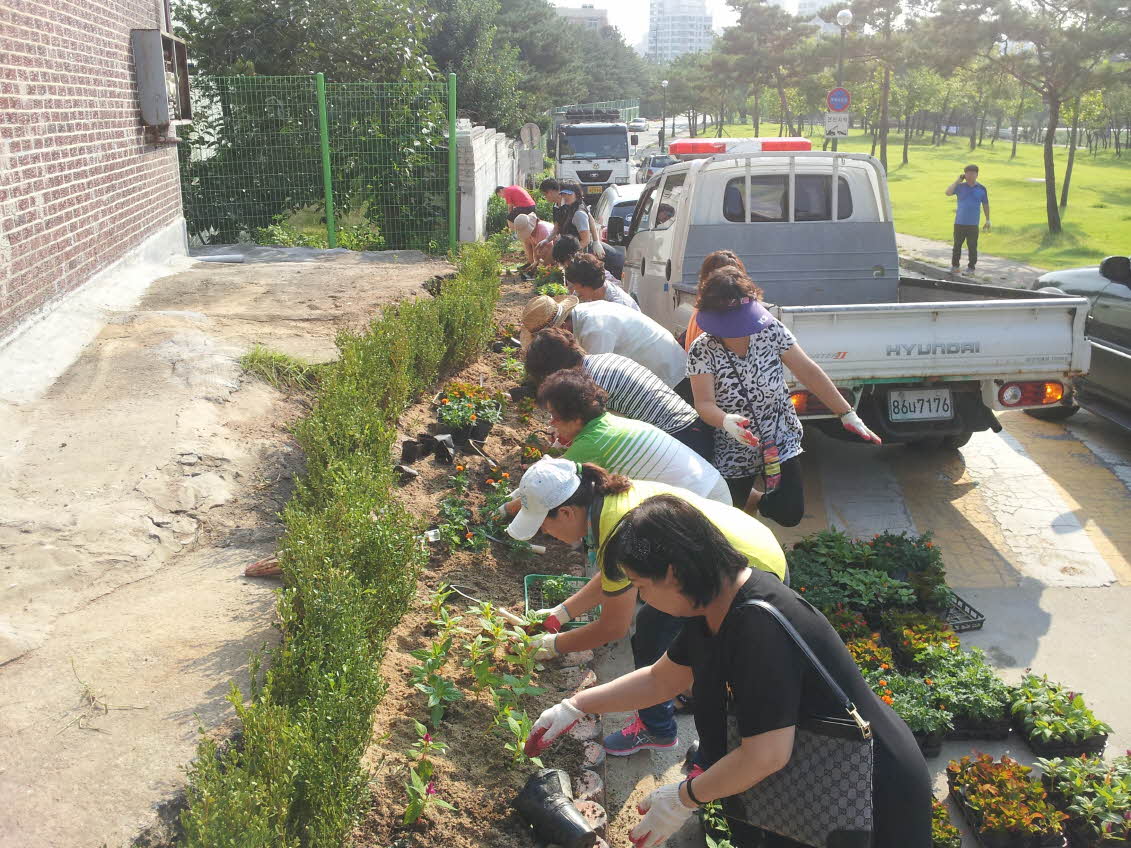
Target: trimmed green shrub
{"points": [[350, 558]]}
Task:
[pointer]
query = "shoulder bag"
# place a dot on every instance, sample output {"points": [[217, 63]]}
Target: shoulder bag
{"points": [[823, 796]]}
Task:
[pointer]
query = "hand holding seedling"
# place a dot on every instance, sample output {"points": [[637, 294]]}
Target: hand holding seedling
{"points": [[553, 722], [737, 427]]}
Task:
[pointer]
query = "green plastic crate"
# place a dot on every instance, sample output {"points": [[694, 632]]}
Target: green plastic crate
{"points": [[532, 590]]}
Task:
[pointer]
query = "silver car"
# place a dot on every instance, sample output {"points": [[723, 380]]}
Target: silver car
{"points": [[1106, 390]]}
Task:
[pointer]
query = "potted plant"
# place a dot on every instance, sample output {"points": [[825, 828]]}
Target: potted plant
{"points": [[870, 655], [910, 632], [970, 689], [1056, 721], [916, 560], [943, 832], [467, 411], [1005, 808], [1095, 795], [914, 701], [847, 622]]}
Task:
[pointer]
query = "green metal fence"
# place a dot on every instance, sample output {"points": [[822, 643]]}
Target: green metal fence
{"points": [[299, 160]]}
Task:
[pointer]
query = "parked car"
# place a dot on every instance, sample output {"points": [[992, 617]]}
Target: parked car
{"points": [[1106, 388], [619, 201], [638, 124], [652, 164], [923, 361]]}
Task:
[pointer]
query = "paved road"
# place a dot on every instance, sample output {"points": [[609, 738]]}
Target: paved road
{"points": [[1034, 527]]}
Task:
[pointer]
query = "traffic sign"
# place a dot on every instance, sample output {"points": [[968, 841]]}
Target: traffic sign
{"points": [[836, 125], [838, 99]]}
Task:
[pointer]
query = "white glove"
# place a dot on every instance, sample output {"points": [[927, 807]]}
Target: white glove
{"points": [[505, 510], [736, 427], [546, 646], [663, 813], [553, 722], [555, 619], [852, 423]]}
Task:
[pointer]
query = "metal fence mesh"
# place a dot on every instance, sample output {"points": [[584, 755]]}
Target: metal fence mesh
{"points": [[252, 162]]}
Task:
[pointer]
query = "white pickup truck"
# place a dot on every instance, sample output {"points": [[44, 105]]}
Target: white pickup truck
{"points": [[925, 361]]}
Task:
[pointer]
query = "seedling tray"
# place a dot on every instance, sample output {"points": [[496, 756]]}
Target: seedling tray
{"points": [[1093, 746], [532, 590], [1002, 840], [965, 731], [962, 617]]}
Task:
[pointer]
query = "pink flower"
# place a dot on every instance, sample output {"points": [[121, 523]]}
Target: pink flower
{"points": [[431, 790], [427, 737]]}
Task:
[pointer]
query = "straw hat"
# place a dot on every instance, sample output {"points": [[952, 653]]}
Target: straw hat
{"points": [[542, 312], [524, 224]]}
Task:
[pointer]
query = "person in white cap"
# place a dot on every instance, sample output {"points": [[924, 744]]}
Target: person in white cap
{"points": [[531, 231], [603, 327], [583, 503]]}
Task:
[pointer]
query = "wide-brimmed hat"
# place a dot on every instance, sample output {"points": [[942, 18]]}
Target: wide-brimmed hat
{"points": [[524, 224], [744, 317], [546, 485], [542, 312]]}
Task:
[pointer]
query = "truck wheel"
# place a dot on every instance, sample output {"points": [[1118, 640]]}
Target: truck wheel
{"points": [[1054, 413], [956, 441]]}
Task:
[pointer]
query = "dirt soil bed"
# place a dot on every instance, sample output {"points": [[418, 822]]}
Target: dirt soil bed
{"points": [[475, 773]]}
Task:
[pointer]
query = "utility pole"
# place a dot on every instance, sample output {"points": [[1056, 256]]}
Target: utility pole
{"points": [[843, 19], [663, 112]]}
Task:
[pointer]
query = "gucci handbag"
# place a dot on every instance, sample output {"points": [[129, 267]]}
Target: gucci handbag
{"points": [[823, 796]]}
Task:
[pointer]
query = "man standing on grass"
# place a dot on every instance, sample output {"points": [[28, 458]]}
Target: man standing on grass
{"points": [[972, 198]]}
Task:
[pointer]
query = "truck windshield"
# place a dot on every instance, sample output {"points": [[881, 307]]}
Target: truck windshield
{"points": [[593, 144]]}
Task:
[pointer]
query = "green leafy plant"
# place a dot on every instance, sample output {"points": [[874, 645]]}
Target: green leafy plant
{"points": [[943, 832], [1050, 712], [913, 700], [848, 623], [966, 685], [716, 827], [1096, 795], [440, 692], [510, 691], [556, 589], [512, 364], [425, 746], [552, 289], [917, 561], [280, 370], [912, 632], [481, 662], [518, 723], [422, 795], [870, 655]]}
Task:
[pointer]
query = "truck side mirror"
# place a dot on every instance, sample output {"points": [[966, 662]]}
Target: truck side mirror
{"points": [[635, 139], [1117, 269], [616, 230]]}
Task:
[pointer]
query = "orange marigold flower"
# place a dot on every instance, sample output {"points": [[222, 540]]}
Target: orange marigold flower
{"points": [[802, 588], [473, 416], [490, 482], [506, 475], [888, 699], [459, 468], [883, 683], [445, 400], [470, 535], [884, 666], [929, 682]]}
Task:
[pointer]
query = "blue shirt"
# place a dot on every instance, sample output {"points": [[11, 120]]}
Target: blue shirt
{"points": [[970, 200]]}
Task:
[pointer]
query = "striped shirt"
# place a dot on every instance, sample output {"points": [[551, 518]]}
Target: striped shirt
{"points": [[635, 392], [640, 451]]}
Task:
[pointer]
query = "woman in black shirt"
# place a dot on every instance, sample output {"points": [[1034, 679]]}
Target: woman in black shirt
{"points": [[680, 564]]}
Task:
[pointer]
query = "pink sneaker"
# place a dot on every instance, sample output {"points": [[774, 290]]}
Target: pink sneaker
{"points": [[635, 737]]}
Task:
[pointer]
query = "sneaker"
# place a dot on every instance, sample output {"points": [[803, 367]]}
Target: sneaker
{"points": [[969, 269], [954, 269], [635, 737]]}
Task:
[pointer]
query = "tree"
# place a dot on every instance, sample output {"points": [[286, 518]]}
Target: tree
{"points": [[1067, 48], [374, 40]]}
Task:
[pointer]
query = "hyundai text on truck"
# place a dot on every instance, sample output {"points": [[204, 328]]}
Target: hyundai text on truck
{"points": [[926, 361], [593, 148]]}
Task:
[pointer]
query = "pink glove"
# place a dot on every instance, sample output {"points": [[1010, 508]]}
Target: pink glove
{"points": [[852, 423], [737, 427]]}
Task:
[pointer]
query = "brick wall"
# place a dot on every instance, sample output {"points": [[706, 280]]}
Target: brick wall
{"points": [[78, 185], [487, 158]]}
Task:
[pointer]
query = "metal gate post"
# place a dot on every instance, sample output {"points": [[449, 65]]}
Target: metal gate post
{"points": [[453, 173], [324, 143]]}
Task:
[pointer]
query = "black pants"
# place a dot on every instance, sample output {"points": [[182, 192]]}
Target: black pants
{"points": [[520, 210], [785, 504], [700, 437], [968, 234]]}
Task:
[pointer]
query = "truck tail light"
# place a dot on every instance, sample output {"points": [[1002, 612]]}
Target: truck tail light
{"points": [[1031, 393], [807, 403]]}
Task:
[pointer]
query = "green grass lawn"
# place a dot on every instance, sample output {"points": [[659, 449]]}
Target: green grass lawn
{"points": [[1097, 222]]}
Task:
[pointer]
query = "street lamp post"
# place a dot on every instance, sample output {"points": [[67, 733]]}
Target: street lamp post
{"points": [[843, 19], [663, 112]]}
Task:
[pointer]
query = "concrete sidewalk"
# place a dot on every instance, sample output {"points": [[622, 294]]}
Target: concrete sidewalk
{"points": [[932, 259]]}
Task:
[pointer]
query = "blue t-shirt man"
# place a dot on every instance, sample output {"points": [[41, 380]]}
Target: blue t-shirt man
{"points": [[972, 197]]}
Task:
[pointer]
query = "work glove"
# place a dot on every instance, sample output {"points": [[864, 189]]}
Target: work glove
{"points": [[556, 618], [663, 813], [554, 722], [852, 423], [507, 509], [737, 427], [547, 646]]}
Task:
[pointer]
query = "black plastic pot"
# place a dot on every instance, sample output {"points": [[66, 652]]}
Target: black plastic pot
{"points": [[546, 802], [520, 392], [410, 451], [481, 430], [930, 743]]}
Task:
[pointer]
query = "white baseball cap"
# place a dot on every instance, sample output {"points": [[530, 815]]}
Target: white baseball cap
{"points": [[546, 485]]}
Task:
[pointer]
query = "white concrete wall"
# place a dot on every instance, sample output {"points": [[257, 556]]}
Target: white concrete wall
{"points": [[487, 158]]}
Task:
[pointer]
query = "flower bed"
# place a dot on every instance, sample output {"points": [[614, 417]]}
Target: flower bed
{"points": [[1004, 807], [1095, 795], [1055, 721]]}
